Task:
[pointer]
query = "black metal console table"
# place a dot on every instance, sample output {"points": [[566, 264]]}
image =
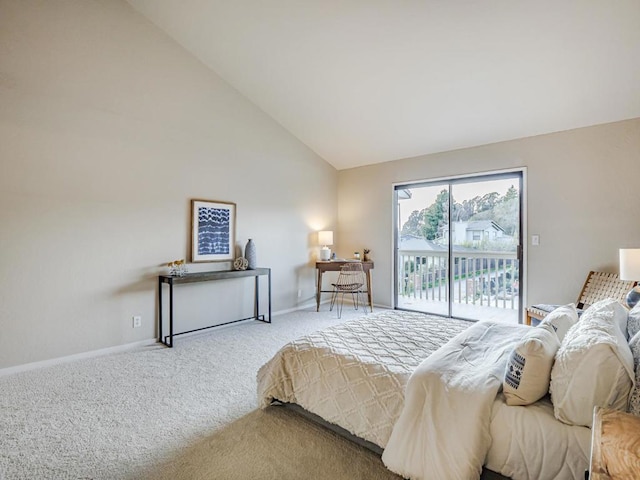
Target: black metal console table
{"points": [[207, 277]]}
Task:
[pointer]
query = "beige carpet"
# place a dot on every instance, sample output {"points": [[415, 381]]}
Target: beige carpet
{"points": [[184, 413], [273, 444]]}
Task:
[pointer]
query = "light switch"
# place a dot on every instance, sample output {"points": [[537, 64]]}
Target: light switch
{"points": [[535, 240]]}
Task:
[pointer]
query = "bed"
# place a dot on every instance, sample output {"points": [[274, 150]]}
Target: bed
{"points": [[354, 375]]}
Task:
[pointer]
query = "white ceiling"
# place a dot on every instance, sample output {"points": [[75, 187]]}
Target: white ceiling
{"points": [[367, 81]]}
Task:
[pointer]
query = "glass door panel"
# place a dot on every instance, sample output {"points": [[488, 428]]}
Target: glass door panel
{"points": [[423, 258], [457, 245], [485, 238]]}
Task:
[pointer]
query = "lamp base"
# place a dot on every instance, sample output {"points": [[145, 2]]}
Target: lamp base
{"points": [[325, 253], [633, 297]]}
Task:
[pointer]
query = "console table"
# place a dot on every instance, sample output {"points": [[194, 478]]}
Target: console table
{"points": [[335, 266], [172, 280]]}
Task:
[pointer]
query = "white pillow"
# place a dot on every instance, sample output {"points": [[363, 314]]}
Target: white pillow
{"points": [[634, 402], [633, 321], [526, 378], [561, 319], [593, 366], [612, 308]]}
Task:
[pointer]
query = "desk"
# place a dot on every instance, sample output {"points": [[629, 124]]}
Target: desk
{"points": [[172, 280], [335, 267]]}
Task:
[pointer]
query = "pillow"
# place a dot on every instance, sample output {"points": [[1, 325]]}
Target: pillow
{"points": [[634, 403], [633, 321], [561, 319], [526, 378], [613, 308], [593, 367]]}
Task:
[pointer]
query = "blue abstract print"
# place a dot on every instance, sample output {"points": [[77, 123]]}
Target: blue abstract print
{"points": [[213, 231]]}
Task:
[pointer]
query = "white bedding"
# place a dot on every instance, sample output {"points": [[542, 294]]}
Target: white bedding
{"points": [[443, 431], [528, 443], [354, 375]]}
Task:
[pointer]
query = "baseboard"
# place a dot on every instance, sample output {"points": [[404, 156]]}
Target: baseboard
{"points": [[78, 356], [129, 346], [304, 306]]}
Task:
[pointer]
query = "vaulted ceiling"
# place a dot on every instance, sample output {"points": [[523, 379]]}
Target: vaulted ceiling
{"points": [[368, 81]]}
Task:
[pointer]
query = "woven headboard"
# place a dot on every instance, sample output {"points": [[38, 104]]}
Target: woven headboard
{"points": [[600, 285]]}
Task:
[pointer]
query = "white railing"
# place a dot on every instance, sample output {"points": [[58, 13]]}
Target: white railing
{"points": [[479, 278]]}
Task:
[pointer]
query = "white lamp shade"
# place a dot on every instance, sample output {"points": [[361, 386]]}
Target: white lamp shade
{"points": [[630, 264], [325, 237]]}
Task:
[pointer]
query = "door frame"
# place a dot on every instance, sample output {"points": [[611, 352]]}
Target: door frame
{"points": [[453, 179]]}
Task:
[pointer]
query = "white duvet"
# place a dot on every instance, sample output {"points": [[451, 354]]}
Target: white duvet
{"points": [[443, 431], [354, 375], [528, 443]]}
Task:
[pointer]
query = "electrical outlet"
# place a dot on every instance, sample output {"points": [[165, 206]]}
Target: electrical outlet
{"points": [[299, 293], [137, 321]]}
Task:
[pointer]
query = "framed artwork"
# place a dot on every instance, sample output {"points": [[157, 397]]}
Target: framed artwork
{"points": [[213, 231]]}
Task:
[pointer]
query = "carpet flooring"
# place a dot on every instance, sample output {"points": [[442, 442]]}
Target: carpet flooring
{"points": [[182, 413]]}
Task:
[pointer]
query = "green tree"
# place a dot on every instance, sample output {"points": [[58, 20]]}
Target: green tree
{"points": [[511, 194], [436, 215], [414, 224], [492, 206], [488, 201]]}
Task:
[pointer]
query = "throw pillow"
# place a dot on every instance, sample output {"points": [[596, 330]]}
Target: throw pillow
{"points": [[633, 322], [593, 367], [634, 403], [528, 370], [561, 319]]}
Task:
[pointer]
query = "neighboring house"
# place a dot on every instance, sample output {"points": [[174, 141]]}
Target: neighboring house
{"points": [[474, 232], [414, 243]]}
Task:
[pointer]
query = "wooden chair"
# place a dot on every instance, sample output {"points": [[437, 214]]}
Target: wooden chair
{"points": [[598, 286]]}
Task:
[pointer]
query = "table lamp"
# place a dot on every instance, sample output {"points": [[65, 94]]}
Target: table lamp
{"points": [[630, 270], [325, 238]]}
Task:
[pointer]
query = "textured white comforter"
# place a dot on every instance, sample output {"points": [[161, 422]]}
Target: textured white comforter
{"points": [[354, 374], [443, 431]]}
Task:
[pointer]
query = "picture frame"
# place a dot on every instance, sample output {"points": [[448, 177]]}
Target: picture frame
{"points": [[213, 231]]}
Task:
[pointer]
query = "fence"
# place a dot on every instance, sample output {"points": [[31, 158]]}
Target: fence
{"points": [[479, 278]]}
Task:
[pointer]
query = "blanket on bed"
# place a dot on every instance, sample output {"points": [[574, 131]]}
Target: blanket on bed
{"points": [[443, 430]]}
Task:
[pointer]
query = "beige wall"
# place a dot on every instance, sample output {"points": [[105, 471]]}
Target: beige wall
{"points": [[582, 195], [107, 129]]}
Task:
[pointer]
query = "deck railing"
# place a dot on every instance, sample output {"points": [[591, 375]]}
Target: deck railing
{"points": [[479, 278]]}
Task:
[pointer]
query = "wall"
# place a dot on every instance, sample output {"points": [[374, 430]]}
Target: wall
{"points": [[582, 196], [107, 129]]}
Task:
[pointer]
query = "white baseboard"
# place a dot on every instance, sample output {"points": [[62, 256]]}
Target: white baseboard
{"points": [[129, 346], [78, 356], [298, 307]]}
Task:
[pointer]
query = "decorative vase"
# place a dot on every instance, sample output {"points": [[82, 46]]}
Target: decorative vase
{"points": [[250, 254]]}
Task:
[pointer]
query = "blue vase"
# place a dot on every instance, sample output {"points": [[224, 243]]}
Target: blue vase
{"points": [[250, 254]]}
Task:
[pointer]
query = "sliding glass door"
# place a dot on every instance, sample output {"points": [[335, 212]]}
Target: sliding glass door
{"points": [[458, 247]]}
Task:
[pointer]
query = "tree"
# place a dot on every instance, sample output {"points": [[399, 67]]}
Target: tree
{"points": [[492, 206], [487, 201], [511, 194], [414, 224], [436, 215]]}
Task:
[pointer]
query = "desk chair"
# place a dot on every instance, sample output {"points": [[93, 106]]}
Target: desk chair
{"points": [[351, 280]]}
